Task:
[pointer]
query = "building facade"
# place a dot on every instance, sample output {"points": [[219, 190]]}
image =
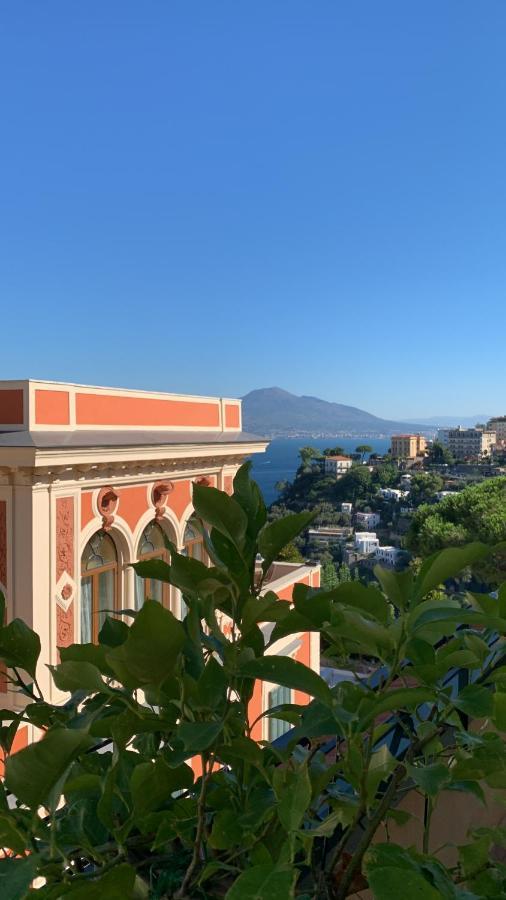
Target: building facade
{"points": [[91, 479], [366, 542], [498, 426], [367, 520], [467, 443], [407, 446], [337, 465]]}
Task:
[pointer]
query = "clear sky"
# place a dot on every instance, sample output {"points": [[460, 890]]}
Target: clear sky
{"points": [[209, 196]]}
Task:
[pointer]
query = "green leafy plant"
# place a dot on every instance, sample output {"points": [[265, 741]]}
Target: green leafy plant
{"points": [[147, 782]]}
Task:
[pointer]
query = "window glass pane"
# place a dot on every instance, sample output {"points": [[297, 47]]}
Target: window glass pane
{"points": [[139, 592], [86, 611], [277, 727], [99, 551], [154, 590], [151, 539], [105, 595]]}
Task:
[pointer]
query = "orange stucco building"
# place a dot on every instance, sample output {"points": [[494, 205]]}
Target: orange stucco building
{"points": [[90, 479]]}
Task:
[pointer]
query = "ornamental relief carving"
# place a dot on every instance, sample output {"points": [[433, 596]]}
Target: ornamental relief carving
{"points": [[65, 626], [3, 543], [64, 536]]}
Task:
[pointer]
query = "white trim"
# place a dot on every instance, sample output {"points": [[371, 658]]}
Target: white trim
{"points": [[15, 457]]}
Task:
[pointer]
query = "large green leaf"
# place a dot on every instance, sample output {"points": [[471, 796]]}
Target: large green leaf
{"points": [[265, 882], [16, 876], [151, 650], [289, 673], [447, 564], [117, 884], [475, 700], [33, 773], [396, 585], [157, 569], [77, 676], [89, 653], [249, 497], [222, 512], [276, 535], [294, 798], [11, 836], [398, 699], [389, 883], [153, 783], [198, 736], [431, 779], [19, 646]]}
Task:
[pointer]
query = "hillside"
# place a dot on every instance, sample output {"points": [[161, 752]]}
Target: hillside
{"points": [[278, 413]]}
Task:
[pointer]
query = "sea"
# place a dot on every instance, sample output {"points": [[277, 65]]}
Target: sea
{"points": [[281, 459]]}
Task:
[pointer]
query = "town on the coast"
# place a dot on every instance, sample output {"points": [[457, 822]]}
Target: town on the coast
{"points": [[387, 509]]}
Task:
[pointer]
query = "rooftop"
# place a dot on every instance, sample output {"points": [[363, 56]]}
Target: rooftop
{"points": [[40, 417]]}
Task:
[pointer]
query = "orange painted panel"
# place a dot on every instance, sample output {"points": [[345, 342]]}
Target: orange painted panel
{"points": [[232, 415], [229, 484], [52, 408], [180, 497], [108, 409], [87, 513], [11, 406], [286, 593], [254, 710], [133, 503]]}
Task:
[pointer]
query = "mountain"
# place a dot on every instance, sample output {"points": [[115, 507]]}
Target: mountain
{"points": [[277, 413], [454, 421]]}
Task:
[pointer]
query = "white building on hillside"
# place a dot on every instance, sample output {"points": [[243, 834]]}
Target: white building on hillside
{"points": [[388, 556], [366, 542], [337, 465], [367, 520]]}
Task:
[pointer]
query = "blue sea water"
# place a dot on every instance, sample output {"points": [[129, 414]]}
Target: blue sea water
{"points": [[281, 459]]}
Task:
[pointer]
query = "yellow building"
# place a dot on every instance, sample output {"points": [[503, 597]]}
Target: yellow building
{"points": [[408, 446]]}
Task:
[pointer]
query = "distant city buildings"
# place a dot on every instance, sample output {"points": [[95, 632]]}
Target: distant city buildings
{"points": [[467, 443], [498, 425], [408, 446], [337, 465], [347, 508]]}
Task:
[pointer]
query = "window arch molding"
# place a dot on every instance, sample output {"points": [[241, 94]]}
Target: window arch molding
{"points": [[168, 522], [122, 538], [150, 545]]}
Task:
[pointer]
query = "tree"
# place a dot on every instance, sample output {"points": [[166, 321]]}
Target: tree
{"points": [[424, 486], [333, 451], [476, 513], [329, 576], [363, 449], [355, 485], [440, 455], [307, 454], [290, 553], [136, 820], [386, 475]]}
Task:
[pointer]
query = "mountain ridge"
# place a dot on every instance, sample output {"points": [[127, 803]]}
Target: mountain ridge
{"points": [[276, 412]]}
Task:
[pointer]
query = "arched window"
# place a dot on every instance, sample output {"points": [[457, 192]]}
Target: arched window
{"points": [[194, 542], [151, 546], [99, 584]]}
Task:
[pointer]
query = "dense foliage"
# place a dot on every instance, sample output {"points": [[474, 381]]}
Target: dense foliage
{"points": [[476, 513], [170, 698]]}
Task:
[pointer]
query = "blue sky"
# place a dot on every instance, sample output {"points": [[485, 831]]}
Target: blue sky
{"points": [[209, 197]]}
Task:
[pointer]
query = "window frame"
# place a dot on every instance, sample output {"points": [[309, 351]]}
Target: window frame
{"points": [[93, 575]]}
